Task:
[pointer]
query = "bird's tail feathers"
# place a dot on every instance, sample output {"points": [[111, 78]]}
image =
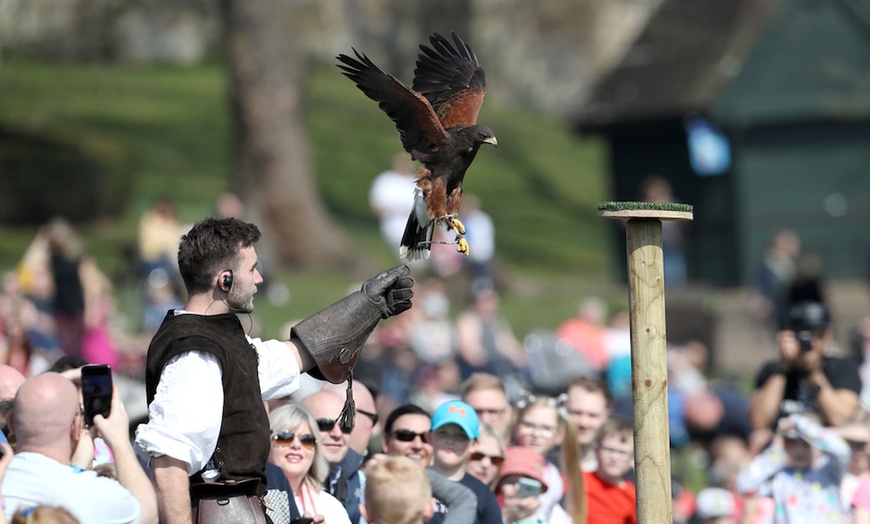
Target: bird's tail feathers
{"points": [[417, 239]]}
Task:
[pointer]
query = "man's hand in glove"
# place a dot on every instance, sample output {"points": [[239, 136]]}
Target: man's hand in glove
{"points": [[335, 335], [390, 290]]}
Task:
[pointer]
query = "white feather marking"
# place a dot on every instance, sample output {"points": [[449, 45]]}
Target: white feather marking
{"points": [[420, 208]]}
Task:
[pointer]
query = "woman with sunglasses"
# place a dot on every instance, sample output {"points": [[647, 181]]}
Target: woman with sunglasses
{"points": [[486, 462], [297, 450]]}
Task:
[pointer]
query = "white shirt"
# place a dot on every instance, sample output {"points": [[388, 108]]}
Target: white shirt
{"points": [[320, 502], [184, 427], [480, 234], [555, 491], [33, 479], [392, 197]]}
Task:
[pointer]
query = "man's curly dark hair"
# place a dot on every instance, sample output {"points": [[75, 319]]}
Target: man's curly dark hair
{"points": [[212, 246]]}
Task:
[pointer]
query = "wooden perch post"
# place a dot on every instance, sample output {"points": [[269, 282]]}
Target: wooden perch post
{"points": [[649, 369]]}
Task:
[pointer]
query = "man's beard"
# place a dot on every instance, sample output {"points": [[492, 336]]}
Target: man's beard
{"points": [[236, 305]]}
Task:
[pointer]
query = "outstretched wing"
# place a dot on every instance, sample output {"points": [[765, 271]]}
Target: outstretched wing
{"points": [[419, 128], [450, 77]]}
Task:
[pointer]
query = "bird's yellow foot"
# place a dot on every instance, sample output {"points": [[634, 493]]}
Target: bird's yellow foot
{"points": [[453, 223], [462, 246]]}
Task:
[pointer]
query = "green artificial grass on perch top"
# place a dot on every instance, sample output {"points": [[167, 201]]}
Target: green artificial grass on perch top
{"points": [[646, 206]]}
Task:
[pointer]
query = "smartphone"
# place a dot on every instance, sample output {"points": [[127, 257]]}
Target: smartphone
{"points": [[96, 391], [528, 488]]}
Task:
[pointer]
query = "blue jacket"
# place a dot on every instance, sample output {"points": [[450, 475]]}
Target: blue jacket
{"points": [[345, 483], [275, 479]]}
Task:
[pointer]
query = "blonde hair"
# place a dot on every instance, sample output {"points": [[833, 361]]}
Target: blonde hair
{"points": [[481, 382], [44, 515], [397, 491], [290, 416], [487, 430], [94, 282], [575, 495]]}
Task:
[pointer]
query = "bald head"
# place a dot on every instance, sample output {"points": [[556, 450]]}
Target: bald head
{"points": [[43, 412], [10, 380], [362, 397], [328, 405], [324, 404], [365, 408]]}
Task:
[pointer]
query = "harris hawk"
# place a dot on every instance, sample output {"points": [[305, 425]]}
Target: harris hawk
{"points": [[437, 123]]}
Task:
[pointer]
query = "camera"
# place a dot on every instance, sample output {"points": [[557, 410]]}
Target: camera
{"points": [[805, 340], [806, 318]]}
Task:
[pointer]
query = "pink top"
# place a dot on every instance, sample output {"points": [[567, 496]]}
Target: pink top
{"points": [[861, 499]]}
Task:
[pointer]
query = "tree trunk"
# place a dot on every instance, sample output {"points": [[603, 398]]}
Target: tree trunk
{"points": [[271, 159]]}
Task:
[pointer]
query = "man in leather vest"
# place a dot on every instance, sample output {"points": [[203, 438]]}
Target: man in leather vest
{"points": [[206, 379]]}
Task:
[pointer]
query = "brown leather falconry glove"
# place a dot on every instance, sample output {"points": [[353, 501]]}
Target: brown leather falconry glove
{"points": [[335, 336]]}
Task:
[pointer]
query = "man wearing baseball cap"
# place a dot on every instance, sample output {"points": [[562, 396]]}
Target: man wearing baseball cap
{"points": [[804, 378], [454, 434]]}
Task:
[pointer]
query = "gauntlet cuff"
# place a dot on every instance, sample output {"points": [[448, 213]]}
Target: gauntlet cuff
{"points": [[335, 336]]}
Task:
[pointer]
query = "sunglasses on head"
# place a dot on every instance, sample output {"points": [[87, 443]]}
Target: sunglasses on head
{"points": [[495, 460], [406, 435], [285, 438], [326, 425]]}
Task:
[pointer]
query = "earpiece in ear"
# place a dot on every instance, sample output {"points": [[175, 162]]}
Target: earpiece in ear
{"points": [[227, 281]]}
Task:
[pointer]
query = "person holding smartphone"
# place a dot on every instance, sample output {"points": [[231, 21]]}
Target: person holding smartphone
{"points": [[207, 436], [47, 419], [519, 484]]}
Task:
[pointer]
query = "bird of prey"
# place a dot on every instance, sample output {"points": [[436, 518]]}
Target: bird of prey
{"points": [[437, 123]]}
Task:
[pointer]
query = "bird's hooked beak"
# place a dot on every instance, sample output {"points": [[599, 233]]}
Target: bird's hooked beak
{"points": [[492, 141]]}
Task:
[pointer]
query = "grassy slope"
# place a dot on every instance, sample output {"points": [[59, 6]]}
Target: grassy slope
{"points": [[541, 185]]}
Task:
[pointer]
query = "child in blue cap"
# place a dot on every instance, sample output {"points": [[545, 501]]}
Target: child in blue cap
{"points": [[454, 434]]}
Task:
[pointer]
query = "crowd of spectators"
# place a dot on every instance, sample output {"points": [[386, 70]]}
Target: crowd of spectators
{"points": [[447, 404]]}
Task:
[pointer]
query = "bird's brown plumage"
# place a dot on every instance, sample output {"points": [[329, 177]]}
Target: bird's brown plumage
{"points": [[437, 123]]}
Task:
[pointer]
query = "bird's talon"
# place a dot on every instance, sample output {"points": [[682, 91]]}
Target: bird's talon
{"points": [[458, 226], [462, 246]]}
